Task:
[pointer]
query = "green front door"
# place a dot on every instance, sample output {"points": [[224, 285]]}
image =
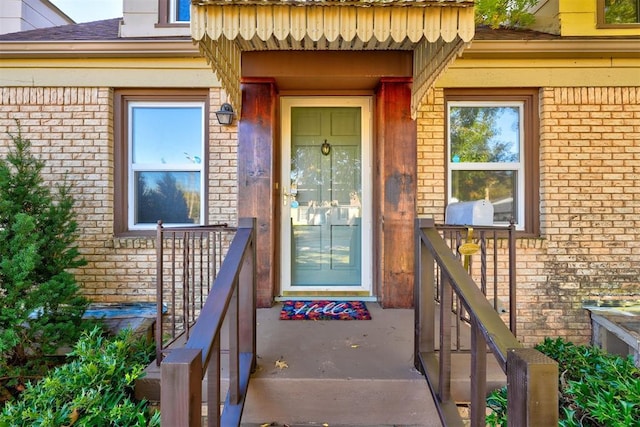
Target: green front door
{"points": [[324, 200]]}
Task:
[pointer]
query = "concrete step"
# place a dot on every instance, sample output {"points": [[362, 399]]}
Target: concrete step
{"points": [[312, 424], [335, 402], [323, 425], [461, 375], [340, 373]]}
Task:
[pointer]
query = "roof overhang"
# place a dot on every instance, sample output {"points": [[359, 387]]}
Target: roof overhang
{"points": [[436, 30]]}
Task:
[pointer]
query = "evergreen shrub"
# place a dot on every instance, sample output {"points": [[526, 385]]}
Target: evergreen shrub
{"points": [[41, 306]]}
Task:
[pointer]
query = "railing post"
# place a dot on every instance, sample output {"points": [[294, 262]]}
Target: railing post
{"points": [[478, 375], [213, 385], [159, 292], [532, 392], [247, 293], [181, 392], [233, 314], [424, 296], [186, 268], [512, 279], [446, 299]]}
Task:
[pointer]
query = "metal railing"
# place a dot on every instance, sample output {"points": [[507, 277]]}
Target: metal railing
{"points": [[488, 254], [188, 260], [232, 302], [532, 377]]}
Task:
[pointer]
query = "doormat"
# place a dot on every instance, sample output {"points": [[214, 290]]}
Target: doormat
{"points": [[324, 310]]}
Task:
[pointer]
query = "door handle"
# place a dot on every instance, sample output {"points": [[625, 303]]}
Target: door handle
{"points": [[286, 194]]}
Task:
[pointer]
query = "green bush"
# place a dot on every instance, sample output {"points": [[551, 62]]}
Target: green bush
{"points": [[596, 389], [94, 388], [41, 306]]}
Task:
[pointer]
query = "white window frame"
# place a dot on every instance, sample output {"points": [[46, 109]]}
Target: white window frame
{"points": [[517, 167], [161, 167], [173, 12]]}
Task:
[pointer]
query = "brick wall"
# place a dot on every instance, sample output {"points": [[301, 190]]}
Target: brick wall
{"points": [[223, 165], [432, 193], [589, 246], [590, 192], [71, 129]]}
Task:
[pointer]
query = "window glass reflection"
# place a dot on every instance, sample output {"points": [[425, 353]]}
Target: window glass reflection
{"points": [[166, 135], [173, 197], [621, 11], [499, 187], [484, 134]]}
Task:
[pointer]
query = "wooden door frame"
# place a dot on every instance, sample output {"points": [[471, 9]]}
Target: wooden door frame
{"points": [[394, 178], [395, 200]]}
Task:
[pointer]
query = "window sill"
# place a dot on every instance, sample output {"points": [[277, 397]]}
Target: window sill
{"points": [[172, 25], [618, 26]]}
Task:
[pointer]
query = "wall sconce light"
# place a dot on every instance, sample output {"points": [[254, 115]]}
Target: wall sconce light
{"points": [[225, 114], [325, 148]]}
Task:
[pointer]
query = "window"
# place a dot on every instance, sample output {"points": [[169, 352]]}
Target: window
{"points": [[172, 12], [160, 168], [180, 10], [616, 13], [492, 155]]}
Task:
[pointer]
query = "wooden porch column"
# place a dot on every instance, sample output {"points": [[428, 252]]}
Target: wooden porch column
{"points": [[395, 208], [256, 148]]}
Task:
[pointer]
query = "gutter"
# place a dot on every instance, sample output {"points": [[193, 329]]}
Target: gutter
{"points": [[574, 48], [100, 49], [186, 48]]}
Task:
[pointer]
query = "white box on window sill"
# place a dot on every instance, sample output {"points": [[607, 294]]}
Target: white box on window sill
{"points": [[479, 212]]}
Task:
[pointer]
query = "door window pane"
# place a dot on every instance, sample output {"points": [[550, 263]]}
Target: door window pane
{"points": [[325, 192]]}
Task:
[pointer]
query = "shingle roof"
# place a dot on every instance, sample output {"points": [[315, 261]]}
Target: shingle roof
{"points": [[89, 31], [107, 30], [487, 33], [341, 2]]}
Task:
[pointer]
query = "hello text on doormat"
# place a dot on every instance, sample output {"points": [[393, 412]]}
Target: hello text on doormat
{"points": [[324, 310]]}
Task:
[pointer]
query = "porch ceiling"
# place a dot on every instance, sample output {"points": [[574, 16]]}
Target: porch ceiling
{"points": [[436, 30]]}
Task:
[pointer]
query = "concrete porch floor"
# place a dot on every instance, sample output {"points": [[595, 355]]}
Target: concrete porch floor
{"points": [[340, 373]]}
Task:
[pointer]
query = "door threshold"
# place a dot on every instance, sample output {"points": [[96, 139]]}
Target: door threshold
{"points": [[352, 297]]}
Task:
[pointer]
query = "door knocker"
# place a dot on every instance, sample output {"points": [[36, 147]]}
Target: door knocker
{"points": [[325, 148]]}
